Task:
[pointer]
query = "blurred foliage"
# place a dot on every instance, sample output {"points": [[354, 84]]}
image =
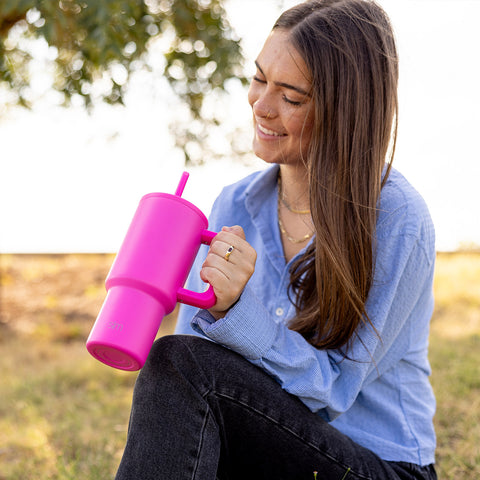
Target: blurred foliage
{"points": [[108, 40]]}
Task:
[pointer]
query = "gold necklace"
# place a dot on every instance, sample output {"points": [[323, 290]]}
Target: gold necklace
{"points": [[289, 238], [299, 212], [282, 198]]}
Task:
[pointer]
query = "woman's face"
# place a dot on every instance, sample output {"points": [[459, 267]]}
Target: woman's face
{"points": [[281, 103]]}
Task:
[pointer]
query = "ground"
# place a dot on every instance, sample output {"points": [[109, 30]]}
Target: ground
{"points": [[63, 415]]}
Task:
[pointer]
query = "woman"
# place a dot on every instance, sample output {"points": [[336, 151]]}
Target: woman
{"points": [[315, 356]]}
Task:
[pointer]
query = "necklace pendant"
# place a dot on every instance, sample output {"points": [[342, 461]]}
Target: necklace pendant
{"points": [[285, 203], [280, 223], [288, 237]]}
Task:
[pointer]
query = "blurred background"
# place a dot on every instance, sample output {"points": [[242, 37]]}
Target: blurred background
{"points": [[104, 101], [71, 180]]}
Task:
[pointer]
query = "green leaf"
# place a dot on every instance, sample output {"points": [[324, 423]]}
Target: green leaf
{"points": [[96, 33]]}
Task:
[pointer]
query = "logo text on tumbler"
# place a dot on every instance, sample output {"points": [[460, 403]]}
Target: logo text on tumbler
{"points": [[115, 326]]}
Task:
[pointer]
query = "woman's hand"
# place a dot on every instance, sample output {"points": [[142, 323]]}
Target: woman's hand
{"points": [[228, 274]]}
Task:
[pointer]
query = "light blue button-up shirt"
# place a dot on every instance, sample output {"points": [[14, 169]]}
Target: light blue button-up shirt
{"points": [[380, 397]]}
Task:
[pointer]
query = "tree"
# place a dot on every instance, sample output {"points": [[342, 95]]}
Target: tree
{"points": [[110, 40]]}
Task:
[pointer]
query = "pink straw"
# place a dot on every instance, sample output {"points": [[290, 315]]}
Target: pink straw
{"points": [[181, 184]]}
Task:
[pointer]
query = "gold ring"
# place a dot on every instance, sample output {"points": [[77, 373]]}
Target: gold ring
{"points": [[229, 252], [267, 116]]}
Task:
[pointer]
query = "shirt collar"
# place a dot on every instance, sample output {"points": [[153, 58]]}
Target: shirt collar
{"points": [[260, 202]]}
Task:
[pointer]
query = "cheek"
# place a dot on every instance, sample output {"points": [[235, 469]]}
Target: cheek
{"points": [[301, 128], [306, 126], [307, 131]]}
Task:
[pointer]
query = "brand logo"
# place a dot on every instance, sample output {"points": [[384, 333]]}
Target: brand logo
{"points": [[115, 326]]}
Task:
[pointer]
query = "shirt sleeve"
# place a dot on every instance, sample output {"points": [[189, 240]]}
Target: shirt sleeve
{"points": [[400, 305]]}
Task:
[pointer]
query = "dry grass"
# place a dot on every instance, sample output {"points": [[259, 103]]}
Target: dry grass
{"points": [[455, 358], [64, 415]]}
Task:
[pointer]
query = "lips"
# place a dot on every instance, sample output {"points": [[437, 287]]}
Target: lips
{"points": [[269, 132]]}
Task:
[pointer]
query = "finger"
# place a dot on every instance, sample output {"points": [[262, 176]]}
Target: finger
{"points": [[214, 261], [231, 238], [237, 230], [243, 252], [227, 288], [226, 251], [213, 276]]}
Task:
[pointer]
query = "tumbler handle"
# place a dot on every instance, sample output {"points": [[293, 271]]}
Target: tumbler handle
{"points": [[205, 299]]}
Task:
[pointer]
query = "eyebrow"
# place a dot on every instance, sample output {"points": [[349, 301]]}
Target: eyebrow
{"points": [[285, 85]]}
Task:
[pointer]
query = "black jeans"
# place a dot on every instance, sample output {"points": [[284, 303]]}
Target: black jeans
{"points": [[203, 412]]}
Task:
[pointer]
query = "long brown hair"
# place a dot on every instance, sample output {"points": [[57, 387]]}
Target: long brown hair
{"points": [[349, 48]]}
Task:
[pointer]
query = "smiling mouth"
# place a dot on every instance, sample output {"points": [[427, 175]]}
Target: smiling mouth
{"points": [[266, 131]]}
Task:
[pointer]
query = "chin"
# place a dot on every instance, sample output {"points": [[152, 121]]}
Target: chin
{"points": [[269, 159], [273, 159], [268, 156]]}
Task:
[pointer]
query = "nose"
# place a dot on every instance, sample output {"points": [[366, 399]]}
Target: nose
{"points": [[260, 101], [262, 111], [262, 108]]}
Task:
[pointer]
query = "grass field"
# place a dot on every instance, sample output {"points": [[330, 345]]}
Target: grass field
{"points": [[63, 415]]}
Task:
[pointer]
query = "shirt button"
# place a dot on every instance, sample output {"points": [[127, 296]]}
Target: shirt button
{"points": [[279, 312]]}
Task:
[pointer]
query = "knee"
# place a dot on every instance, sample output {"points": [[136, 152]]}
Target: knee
{"points": [[163, 348], [172, 349], [172, 362], [171, 344], [165, 344]]}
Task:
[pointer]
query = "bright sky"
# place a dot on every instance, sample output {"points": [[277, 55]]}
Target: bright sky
{"points": [[71, 183]]}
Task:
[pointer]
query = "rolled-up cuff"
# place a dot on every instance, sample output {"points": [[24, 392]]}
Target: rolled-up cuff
{"points": [[247, 328]]}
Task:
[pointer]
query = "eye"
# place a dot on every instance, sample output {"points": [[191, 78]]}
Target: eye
{"points": [[291, 102]]}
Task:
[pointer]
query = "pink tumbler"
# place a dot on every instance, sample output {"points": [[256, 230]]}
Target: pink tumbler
{"points": [[146, 279]]}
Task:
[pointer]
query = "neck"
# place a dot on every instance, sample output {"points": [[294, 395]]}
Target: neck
{"points": [[295, 186]]}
